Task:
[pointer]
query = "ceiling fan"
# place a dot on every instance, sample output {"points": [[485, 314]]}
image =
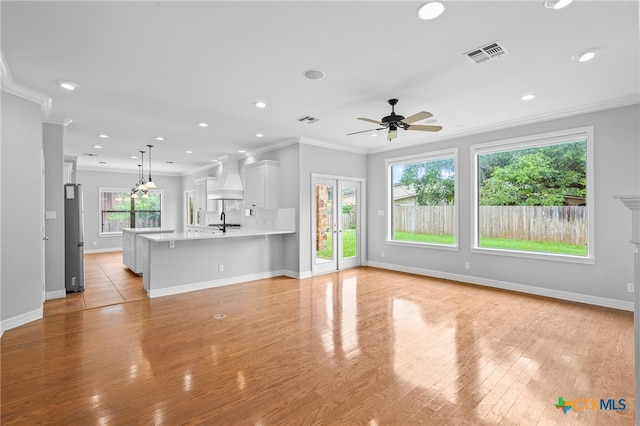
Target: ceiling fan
{"points": [[395, 121]]}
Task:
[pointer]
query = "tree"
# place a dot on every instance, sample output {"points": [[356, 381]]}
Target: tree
{"points": [[533, 176], [433, 181]]}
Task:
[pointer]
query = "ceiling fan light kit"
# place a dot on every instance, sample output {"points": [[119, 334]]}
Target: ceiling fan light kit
{"points": [[394, 121]]}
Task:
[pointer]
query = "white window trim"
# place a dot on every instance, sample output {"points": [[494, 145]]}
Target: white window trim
{"points": [[413, 158], [551, 138], [112, 189]]}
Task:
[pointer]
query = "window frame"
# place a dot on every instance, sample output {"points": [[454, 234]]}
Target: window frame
{"points": [[102, 190], [532, 141], [417, 158]]}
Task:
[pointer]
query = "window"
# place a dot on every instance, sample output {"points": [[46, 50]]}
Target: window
{"points": [[118, 210], [533, 196], [422, 199]]}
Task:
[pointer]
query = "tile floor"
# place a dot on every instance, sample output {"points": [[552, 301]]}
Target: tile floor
{"points": [[107, 282]]}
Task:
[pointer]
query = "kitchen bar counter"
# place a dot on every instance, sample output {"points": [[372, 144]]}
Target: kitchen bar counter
{"points": [[196, 260], [214, 233], [190, 261]]}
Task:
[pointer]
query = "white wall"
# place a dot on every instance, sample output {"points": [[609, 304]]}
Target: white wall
{"points": [[91, 181], [21, 240], [617, 150], [54, 202], [288, 197]]}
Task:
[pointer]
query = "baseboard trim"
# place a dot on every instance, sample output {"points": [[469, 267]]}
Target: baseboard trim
{"points": [[186, 288], [521, 288], [103, 250], [21, 319], [57, 294], [297, 275]]}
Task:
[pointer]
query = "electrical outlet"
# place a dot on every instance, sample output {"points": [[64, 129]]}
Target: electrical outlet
{"points": [[172, 244], [467, 265], [630, 287], [220, 268], [382, 254]]}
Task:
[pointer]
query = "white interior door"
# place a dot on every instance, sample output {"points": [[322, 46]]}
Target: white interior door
{"points": [[336, 218]]}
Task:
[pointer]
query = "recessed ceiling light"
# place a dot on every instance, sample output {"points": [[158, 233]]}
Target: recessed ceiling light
{"points": [[159, 138], [97, 146], [103, 136], [189, 152], [314, 74], [133, 156], [214, 161], [430, 10], [373, 135], [67, 85], [203, 125], [585, 55], [242, 151], [260, 104], [528, 97], [259, 135], [556, 4]]}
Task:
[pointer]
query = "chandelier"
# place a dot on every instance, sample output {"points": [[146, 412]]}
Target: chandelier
{"points": [[142, 187]]}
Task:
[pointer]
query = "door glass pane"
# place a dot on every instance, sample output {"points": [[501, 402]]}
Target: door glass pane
{"points": [[349, 200], [324, 222]]}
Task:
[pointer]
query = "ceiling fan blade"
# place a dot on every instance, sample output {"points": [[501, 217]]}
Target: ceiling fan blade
{"points": [[365, 131], [425, 128], [371, 121], [422, 115]]}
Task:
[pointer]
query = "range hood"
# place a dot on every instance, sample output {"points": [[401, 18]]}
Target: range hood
{"points": [[229, 185]]}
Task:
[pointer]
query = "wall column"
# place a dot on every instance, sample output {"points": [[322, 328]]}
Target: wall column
{"points": [[633, 203]]}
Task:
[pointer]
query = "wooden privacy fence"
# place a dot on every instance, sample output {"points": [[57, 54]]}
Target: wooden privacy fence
{"points": [[564, 224]]}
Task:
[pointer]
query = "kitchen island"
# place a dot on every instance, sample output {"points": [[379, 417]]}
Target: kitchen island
{"points": [[132, 245], [188, 261]]}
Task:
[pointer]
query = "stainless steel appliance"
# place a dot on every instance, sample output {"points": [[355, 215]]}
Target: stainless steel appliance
{"points": [[73, 238]]}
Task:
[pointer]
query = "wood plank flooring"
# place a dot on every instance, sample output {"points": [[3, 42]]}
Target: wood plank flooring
{"points": [[363, 346], [107, 282]]}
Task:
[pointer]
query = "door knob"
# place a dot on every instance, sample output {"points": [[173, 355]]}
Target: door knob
{"points": [[45, 238]]}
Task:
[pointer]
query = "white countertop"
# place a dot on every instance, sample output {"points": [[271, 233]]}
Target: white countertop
{"points": [[215, 234], [147, 230]]}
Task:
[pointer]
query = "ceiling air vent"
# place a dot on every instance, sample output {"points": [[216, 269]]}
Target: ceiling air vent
{"points": [[486, 53], [307, 119]]}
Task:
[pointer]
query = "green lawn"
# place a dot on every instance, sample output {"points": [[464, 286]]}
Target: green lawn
{"points": [[498, 243], [534, 246], [349, 244], [424, 238]]}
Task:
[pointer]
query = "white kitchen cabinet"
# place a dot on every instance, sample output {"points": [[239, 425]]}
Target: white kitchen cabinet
{"points": [[261, 184], [201, 205]]}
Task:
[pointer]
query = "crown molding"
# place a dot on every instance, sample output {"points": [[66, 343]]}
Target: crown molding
{"points": [[308, 141], [547, 116], [10, 86]]}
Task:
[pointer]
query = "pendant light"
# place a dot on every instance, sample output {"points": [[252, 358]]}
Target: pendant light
{"points": [[142, 183], [134, 190], [150, 183]]}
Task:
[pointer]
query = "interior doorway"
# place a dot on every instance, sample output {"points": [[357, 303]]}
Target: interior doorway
{"points": [[336, 228]]}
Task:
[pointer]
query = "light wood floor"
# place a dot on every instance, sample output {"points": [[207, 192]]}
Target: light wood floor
{"points": [[364, 346]]}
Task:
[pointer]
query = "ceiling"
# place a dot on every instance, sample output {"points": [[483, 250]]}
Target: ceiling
{"points": [[148, 69]]}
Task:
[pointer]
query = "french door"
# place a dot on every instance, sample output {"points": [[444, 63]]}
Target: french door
{"points": [[336, 218]]}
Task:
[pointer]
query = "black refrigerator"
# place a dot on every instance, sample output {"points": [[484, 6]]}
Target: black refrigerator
{"points": [[73, 238]]}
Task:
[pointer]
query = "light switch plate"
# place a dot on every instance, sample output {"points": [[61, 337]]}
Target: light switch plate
{"points": [[50, 215]]}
